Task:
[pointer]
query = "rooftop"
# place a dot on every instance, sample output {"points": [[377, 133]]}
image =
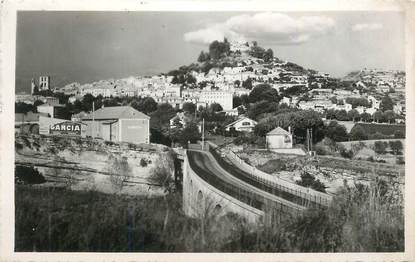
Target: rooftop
{"points": [[278, 131], [116, 112]]}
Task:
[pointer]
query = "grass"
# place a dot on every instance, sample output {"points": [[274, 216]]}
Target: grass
{"points": [[57, 219]]}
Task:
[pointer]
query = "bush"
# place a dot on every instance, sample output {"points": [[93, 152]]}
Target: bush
{"points": [[346, 153], [380, 147], [396, 146], [272, 166], [399, 134], [378, 135], [320, 150], [28, 175], [308, 180], [358, 133], [143, 162], [400, 160]]}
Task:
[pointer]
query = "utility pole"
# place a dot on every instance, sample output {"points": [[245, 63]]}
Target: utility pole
{"points": [[311, 139], [93, 119], [203, 134]]}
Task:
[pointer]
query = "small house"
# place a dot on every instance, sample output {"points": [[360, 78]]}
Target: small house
{"points": [[279, 138], [243, 124]]}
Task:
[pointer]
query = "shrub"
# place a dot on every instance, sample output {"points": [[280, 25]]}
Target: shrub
{"points": [[272, 166], [399, 134], [396, 146], [143, 162], [380, 147], [28, 175], [400, 160], [308, 180], [346, 153], [320, 150], [378, 135]]}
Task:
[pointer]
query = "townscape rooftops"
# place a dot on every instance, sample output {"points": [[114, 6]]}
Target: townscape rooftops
{"points": [[116, 112], [278, 131]]}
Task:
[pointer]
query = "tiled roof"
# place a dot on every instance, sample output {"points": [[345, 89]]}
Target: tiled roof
{"points": [[116, 112]]}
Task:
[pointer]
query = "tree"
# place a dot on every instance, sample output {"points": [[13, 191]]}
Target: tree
{"points": [[245, 99], [189, 107], [236, 101], [87, 102], [336, 132], [396, 146], [160, 119], [261, 107], [380, 147], [358, 133], [353, 114], [355, 102], [191, 132], [237, 83], [247, 83], [390, 116], [202, 57], [218, 49], [386, 103], [299, 121], [22, 107], [378, 116], [268, 55], [331, 114], [341, 115], [38, 103], [190, 79], [215, 107], [366, 117], [263, 92]]}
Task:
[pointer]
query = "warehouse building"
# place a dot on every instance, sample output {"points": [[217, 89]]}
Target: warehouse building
{"points": [[118, 124]]}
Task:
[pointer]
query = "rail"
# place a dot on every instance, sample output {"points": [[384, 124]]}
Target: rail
{"points": [[251, 198], [278, 187]]}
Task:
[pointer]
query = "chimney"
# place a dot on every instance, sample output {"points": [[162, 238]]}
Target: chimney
{"points": [[289, 129]]}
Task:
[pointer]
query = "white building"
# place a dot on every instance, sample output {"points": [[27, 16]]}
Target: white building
{"points": [[279, 138], [223, 98], [243, 124]]}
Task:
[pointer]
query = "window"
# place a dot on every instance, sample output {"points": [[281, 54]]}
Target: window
{"points": [[246, 123]]}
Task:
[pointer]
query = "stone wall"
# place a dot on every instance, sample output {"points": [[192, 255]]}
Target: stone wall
{"points": [[84, 164]]}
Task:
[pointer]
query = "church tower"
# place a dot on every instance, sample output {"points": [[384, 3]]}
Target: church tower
{"points": [[33, 87]]}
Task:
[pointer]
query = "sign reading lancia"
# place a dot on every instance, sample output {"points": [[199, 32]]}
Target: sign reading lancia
{"points": [[66, 128]]}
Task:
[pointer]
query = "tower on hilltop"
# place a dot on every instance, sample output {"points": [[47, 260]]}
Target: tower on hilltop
{"points": [[44, 83]]}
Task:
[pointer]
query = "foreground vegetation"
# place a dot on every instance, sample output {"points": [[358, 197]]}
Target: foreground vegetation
{"points": [[57, 219]]}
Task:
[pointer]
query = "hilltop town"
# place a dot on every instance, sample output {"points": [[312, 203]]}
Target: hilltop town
{"points": [[239, 140]]}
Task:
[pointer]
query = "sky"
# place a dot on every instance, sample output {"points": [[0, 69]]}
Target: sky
{"points": [[88, 46]]}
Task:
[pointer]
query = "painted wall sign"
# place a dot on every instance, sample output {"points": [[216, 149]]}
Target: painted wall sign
{"points": [[70, 128]]}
